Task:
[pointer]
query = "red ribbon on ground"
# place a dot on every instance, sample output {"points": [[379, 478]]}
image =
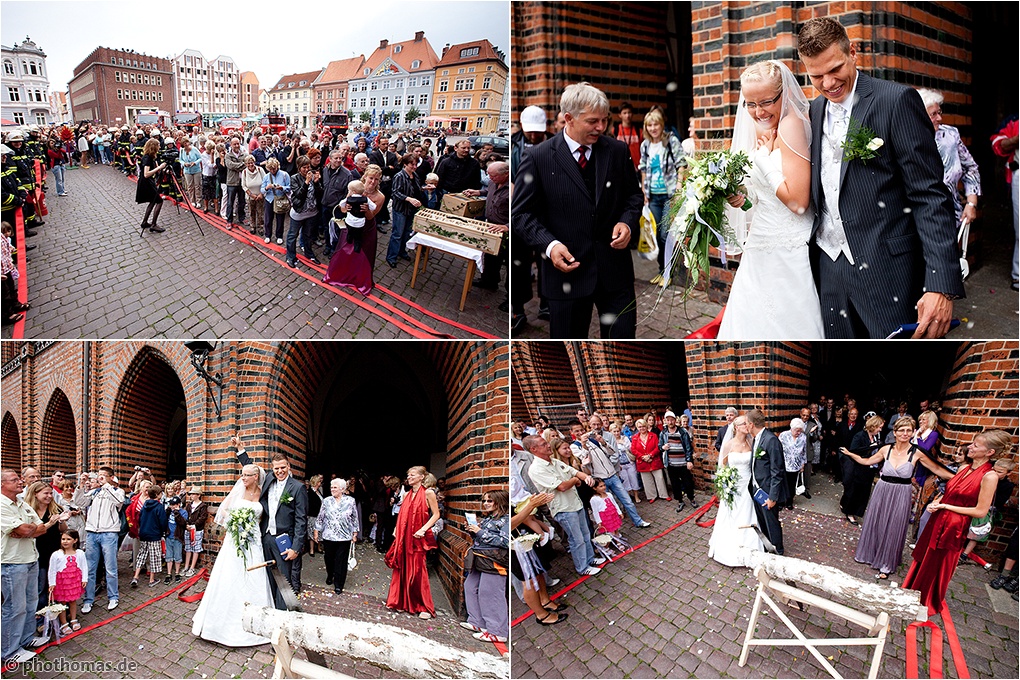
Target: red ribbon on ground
{"points": [[19, 229], [935, 664], [697, 514]]}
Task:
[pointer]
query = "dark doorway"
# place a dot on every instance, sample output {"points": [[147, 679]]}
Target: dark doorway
{"points": [[881, 374], [679, 388], [381, 409], [10, 442], [680, 85], [59, 441]]}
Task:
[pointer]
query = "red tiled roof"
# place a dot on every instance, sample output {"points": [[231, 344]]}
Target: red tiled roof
{"points": [[485, 52], [342, 70], [296, 78], [410, 51]]}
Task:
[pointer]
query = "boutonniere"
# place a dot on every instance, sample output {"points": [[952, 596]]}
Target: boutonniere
{"points": [[861, 143], [759, 452], [286, 498]]}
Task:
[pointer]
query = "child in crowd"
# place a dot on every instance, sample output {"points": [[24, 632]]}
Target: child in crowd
{"points": [[152, 527], [13, 308], [354, 205], [68, 576], [431, 192], [198, 513], [608, 518], [177, 518]]}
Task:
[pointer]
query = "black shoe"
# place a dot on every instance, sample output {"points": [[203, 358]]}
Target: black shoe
{"points": [[504, 306], [30, 232], [543, 313], [329, 580], [404, 256], [517, 322], [167, 580], [680, 508], [391, 263], [292, 264], [313, 260], [999, 581], [38, 223], [27, 248], [156, 229], [807, 495]]}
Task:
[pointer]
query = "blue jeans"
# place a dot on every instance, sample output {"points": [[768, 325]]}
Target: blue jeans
{"points": [[615, 487], [304, 228], [235, 194], [578, 538], [398, 237], [58, 178], [657, 204], [106, 542], [20, 586]]}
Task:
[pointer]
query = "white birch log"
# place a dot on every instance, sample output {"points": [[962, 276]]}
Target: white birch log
{"points": [[403, 652], [862, 595]]}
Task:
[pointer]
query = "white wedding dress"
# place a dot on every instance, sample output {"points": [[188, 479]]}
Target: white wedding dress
{"points": [[773, 296], [727, 536], [218, 618]]}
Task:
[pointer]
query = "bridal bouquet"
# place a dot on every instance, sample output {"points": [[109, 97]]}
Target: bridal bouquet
{"points": [[243, 529], [726, 482], [697, 213]]}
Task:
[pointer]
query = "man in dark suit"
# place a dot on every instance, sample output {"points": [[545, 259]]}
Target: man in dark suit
{"points": [[883, 246], [284, 511], [769, 473], [731, 413], [577, 200]]}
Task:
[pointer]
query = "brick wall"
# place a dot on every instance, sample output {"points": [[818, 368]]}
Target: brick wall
{"points": [[549, 380], [982, 395], [134, 388]]}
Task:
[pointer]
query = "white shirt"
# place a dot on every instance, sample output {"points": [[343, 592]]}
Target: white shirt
{"points": [[575, 151], [832, 235], [275, 491]]}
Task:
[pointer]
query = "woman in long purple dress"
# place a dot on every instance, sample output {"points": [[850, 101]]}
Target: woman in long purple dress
{"points": [[886, 519], [351, 267]]}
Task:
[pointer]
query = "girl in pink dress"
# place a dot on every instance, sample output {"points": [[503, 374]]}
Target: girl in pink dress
{"points": [[68, 576], [606, 511]]}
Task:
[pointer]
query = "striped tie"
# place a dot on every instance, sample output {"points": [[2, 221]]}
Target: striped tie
{"points": [[582, 158]]}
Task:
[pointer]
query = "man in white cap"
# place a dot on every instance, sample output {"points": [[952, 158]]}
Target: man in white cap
{"points": [[532, 133]]}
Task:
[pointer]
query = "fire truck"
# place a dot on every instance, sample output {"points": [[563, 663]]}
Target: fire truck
{"points": [[273, 123], [336, 123], [160, 119], [188, 120]]}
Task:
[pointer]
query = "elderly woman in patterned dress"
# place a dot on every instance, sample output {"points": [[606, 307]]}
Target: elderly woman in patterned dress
{"points": [[956, 159], [336, 527]]}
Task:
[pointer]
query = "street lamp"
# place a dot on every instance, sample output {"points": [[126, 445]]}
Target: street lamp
{"points": [[199, 355]]}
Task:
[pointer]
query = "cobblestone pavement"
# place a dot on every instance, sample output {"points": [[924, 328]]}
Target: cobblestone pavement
{"points": [[158, 637], [667, 610], [93, 276], [989, 311]]}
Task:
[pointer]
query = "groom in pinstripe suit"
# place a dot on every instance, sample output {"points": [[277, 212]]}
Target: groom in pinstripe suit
{"points": [[577, 200], [883, 247]]}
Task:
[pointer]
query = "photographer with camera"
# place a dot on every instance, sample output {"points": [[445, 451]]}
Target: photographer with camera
{"points": [[306, 197], [148, 185]]}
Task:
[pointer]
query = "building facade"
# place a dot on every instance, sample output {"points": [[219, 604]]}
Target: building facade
{"points": [[292, 97], [25, 96], [330, 89], [58, 106], [395, 84], [113, 86], [74, 405], [211, 87], [470, 83], [248, 96]]}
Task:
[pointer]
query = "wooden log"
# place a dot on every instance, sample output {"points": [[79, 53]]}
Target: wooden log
{"points": [[859, 594], [408, 654]]}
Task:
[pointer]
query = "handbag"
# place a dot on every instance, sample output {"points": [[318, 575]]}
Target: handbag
{"points": [[352, 561], [981, 526], [281, 204], [488, 560], [800, 488]]}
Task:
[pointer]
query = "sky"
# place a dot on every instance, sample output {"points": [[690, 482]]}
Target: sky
{"points": [[68, 31]]}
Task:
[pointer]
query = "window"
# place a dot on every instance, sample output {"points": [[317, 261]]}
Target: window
{"points": [[460, 70], [145, 79], [483, 103], [399, 84], [160, 97], [120, 94], [134, 94], [9, 67], [479, 122], [341, 94], [469, 52], [159, 81], [366, 71], [120, 61], [446, 71], [19, 117], [289, 95], [444, 85], [113, 60], [305, 107], [423, 99], [441, 104], [14, 94], [329, 107], [374, 85], [487, 82], [397, 49], [416, 63], [471, 69], [386, 84], [461, 103], [397, 100], [132, 77], [371, 101], [464, 84], [385, 101], [362, 102], [412, 82], [425, 80], [116, 76]]}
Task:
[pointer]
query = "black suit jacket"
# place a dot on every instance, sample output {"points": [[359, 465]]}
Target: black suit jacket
{"points": [[770, 470], [292, 517], [551, 202], [897, 212]]}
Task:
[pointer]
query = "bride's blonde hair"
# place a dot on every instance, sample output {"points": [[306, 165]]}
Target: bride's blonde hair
{"points": [[763, 72]]}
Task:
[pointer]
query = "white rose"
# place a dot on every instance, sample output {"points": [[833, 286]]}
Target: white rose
{"points": [[875, 144]]}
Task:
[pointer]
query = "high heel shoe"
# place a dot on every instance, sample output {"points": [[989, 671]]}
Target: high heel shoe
{"points": [[559, 606]]}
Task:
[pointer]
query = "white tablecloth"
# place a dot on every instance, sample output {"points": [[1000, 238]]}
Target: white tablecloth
{"points": [[447, 247]]}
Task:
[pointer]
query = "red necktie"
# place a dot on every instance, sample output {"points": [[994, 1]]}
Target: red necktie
{"points": [[582, 159]]}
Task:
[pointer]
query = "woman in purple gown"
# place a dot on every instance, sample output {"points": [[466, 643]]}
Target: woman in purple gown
{"points": [[886, 519], [353, 267]]}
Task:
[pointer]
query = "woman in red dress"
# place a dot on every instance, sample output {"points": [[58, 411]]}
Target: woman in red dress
{"points": [[352, 267], [968, 495], [409, 588]]}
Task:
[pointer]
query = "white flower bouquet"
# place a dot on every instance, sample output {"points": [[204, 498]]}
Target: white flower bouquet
{"points": [[726, 481], [243, 529]]}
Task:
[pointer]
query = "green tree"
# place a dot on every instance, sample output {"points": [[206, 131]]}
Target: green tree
{"points": [[365, 117], [412, 114]]}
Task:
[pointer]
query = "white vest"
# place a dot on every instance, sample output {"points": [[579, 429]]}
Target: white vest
{"points": [[831, 234]]}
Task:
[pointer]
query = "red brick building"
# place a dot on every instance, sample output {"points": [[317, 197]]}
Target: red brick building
{"points": [[113, 86], [977, 383], [332, 407]]}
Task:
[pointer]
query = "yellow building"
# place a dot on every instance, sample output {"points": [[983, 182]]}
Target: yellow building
{"points": [[292, 98], [469, 85]]}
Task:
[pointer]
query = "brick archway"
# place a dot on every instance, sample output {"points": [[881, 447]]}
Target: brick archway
{"points": [[58, 444], [10, 442], [149, 400]]}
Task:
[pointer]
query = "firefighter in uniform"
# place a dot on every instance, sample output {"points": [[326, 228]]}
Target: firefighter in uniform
{"points": [[124, 152], [25, 172]]}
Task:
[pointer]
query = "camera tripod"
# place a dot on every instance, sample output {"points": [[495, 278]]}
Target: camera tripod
{"points": [[157, 180]]}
